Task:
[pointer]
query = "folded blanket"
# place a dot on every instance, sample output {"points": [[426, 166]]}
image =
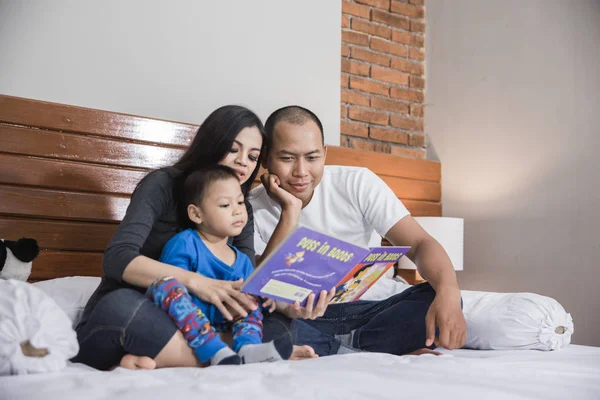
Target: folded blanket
{"points": [[35, 333]]}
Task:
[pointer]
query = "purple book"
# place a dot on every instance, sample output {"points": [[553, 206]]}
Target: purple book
{"points": [[309, 261]]}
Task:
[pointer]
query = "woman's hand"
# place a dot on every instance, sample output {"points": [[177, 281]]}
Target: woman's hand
{"points": [[312, 310], [225, 295]]}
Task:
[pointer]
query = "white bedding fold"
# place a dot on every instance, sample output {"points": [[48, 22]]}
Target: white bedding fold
{"points": [[28, 314]]}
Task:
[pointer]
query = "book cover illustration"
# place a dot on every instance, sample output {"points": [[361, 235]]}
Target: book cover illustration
{"points": [[309, 261], [372, 267]]}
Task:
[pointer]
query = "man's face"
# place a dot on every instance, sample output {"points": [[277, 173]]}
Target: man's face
{"points": [[297, 157]]}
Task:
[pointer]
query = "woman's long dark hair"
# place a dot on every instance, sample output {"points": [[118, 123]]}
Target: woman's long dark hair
{"points": [[212, 143]]}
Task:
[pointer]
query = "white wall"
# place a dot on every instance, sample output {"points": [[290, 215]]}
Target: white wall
{"points": [[176, 60], [513, 93]]}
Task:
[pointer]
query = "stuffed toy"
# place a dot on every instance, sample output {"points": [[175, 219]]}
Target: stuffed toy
{"points": [[35, 333], [16, 258]]}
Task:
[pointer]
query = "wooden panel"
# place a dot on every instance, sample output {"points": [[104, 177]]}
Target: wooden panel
{"points": [[59, 235], [57, 264], [385, 164], [402, 187], [66, 172], [423, 208], [19, 111], [43, 143], [21, 170], [48, 203], [413, 189]]}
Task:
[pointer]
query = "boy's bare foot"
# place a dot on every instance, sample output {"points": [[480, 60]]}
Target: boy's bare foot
{"points": [[303, 353], [422, 351], [129, 361]]}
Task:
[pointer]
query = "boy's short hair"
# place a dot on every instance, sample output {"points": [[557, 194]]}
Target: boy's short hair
{"points": [[197, 183]]}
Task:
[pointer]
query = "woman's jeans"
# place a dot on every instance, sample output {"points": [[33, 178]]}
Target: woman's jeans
{"points": [[123, 322], [126, 322]]}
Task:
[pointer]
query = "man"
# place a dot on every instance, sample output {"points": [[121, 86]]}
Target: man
{"points": [[353, 204]]}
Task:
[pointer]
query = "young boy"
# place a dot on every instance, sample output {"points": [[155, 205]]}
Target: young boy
{"points": [[216, 206]]}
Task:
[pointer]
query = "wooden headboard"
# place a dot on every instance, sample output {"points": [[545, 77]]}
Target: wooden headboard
{"points": [[66, 174]]}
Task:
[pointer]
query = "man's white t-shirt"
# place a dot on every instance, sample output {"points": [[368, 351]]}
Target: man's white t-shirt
{"points": [[350, 203]]}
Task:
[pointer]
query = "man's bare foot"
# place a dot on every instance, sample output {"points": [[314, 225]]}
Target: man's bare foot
{"points": [[422, 351], [303, 353], [129, 361]]}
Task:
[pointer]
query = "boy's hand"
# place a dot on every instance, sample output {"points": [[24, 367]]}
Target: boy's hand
{"points": [[270, 303]]}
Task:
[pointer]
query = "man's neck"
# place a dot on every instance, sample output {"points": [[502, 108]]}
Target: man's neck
{"points": [[305, 203]]}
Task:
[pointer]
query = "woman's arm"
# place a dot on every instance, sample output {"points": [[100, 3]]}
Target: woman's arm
{"points": [[123, 260], [151, 199], [142, 271], [225, 295]]}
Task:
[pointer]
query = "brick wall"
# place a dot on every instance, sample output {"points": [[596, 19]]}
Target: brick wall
{"points": [[383, 76]]}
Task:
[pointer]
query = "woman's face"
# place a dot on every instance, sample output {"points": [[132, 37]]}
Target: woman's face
{"points": [[243, 155]]}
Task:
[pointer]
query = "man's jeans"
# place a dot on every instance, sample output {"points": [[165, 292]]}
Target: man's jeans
{"points": [[395, 325]]}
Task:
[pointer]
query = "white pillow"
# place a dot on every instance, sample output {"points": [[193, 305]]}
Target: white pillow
{"points": [[504, 321], [28, 315], [71, 293]]}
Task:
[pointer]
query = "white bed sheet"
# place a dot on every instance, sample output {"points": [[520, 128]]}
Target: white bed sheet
{"points": [[571, 373]]}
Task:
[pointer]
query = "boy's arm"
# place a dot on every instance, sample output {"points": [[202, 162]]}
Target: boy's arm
{"points": [[434, 265]]}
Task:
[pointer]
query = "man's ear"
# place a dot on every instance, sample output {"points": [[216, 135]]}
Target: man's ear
{"points": [[325, 151], [194, 214]]}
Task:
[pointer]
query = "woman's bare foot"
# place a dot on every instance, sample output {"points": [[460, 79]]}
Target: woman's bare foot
{"points": [[422, 351], [303, 353], [129, 361]]}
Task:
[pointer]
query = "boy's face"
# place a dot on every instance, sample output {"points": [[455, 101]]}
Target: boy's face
{"points": [[222, 211], [297, 157]]}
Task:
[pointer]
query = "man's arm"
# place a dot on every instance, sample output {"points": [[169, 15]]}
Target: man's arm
{"points": [[430, 257], [435, 266], [287, 222], [290, 217], [290, 213]]}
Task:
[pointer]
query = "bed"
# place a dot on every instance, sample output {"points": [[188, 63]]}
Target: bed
{"points": [[571, 373], [65, 176]]}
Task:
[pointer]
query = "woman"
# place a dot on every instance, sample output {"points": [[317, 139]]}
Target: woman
{"points": [[120, 325]]}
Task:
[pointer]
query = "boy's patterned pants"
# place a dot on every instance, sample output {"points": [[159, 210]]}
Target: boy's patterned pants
{"points": [[171, 296]]}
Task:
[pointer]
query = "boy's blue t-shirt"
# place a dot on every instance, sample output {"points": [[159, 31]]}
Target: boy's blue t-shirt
{"points": [[186, 250]]}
